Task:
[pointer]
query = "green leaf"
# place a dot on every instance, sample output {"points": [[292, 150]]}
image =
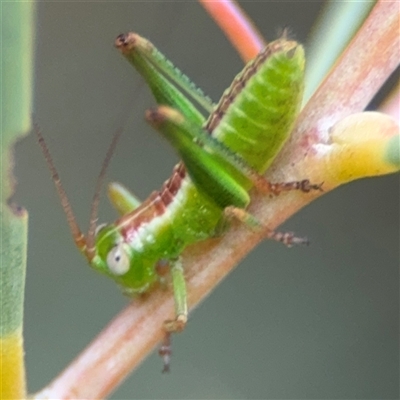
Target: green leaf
{"points": [[16, 95]]}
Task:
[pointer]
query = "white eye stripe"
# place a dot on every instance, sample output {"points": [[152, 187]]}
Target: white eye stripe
{"points": [[118, 260]]}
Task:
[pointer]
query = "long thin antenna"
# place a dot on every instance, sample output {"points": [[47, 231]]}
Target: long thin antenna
{"points": [[91, 235], [85, 244], [77, 234], [90, 250]]}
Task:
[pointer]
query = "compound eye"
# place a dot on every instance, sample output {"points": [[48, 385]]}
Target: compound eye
{"points": [[118, 261]]}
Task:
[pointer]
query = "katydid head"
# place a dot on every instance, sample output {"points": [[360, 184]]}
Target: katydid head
{"points": [[111, 256], [128, 264], [104, 245]]}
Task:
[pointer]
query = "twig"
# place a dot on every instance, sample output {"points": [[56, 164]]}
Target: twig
{"points": [[360, 72], [237, 26]]}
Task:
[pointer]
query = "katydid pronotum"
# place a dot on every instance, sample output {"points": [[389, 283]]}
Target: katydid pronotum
{"points": [[223, 156]]}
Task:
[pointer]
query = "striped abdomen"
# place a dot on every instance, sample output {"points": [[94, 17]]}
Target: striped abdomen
{"points": [[256, 113]]}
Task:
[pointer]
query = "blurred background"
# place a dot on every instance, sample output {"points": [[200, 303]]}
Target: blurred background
{"points": [[317, 322]]}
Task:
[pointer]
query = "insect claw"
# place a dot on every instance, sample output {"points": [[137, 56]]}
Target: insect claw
{"points": [[306, 186], [297, 240], [319, 187], [176, 325], [166, 369], [165, 353], [287, 238]]}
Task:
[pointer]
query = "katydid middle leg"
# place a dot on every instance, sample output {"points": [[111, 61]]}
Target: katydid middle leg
{"points": [[287, 238]]}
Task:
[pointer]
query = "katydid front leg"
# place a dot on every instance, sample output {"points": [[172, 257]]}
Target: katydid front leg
{"points": [[181, 311]]}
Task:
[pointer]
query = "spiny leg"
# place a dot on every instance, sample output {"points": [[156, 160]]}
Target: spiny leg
{"points": [[304, 186], [171, 124], [169, 86], [141, 52], [181, 312], [211, 174], [287, 238], [203, 138], [167, 83]]}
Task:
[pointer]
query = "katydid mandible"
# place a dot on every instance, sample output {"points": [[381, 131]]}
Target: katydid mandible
{"points": [[223, 157]]}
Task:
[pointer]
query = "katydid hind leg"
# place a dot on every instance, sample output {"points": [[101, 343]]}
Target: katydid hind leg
{"points": [[208, 173], [150, 64], [169, 84], [138, 50], [287, 238], [175, 127]]}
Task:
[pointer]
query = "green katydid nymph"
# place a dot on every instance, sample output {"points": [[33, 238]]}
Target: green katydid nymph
{"points": [[223, 157]]}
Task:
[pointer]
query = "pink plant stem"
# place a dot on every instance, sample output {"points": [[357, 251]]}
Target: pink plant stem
{"points": [[237, 26], [357, 76], [370, 58], [137, 330], [364, 66]]}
